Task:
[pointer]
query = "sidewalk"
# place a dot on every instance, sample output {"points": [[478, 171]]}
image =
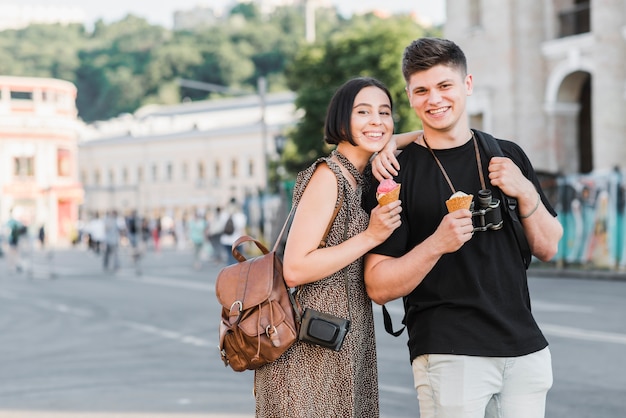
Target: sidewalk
{"points": [[577, 272]]}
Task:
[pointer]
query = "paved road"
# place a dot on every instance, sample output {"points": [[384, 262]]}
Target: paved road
{"points": [[76, 342]]}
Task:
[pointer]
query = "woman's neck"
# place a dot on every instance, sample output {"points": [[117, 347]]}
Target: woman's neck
{"points": [[357, 157]]}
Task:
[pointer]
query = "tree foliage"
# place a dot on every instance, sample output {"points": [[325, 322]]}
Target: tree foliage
{"points": [[368, 46], [123, 65]]}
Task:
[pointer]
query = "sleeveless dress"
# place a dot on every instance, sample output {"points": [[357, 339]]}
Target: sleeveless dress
{"points": [[309, 381]]}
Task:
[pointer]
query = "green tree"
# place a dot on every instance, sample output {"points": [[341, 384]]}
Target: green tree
{"points": [[42, 51], [369, 46]]}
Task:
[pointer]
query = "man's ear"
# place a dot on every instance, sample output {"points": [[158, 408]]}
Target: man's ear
{"points": [[469, 84]]}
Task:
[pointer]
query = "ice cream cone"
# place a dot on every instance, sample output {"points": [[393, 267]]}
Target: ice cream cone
{"points": [[386, 198], [459, 202]]}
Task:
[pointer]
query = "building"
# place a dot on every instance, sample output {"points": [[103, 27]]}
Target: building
{"points": [[38, 155], [172, 161], [549, 74]]}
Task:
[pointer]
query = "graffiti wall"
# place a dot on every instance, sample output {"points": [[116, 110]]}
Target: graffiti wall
{"points": [[591, 210]]}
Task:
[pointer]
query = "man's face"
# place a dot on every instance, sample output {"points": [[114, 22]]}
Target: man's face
{"points": [[438, 96]]}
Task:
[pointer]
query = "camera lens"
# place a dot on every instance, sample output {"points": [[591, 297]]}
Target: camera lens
{"points": [[484, 198]]}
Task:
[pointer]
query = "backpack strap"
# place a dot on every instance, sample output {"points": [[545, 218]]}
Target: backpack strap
{"points": [[389, 326], [491, 146]]}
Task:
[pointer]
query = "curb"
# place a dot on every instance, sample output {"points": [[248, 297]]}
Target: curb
{"points": [[574, 273]]}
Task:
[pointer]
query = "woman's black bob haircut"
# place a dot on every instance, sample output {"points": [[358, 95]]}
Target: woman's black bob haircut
{"points": [[339, 113]]}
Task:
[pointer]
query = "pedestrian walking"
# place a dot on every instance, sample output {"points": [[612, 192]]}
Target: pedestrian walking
{"points": [[197, 232], [215, 229], [16, 229], [133, 232], [235, 222], [112, 232]]}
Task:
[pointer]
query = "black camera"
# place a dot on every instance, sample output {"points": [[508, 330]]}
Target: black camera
{"points": [[488, 215], [323, 329]]}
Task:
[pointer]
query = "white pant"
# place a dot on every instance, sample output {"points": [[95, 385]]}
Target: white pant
{"points": [[454, 386]]}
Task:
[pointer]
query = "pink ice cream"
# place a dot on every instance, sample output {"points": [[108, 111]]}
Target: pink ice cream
{"points": [[387, 191], [386, 186]]}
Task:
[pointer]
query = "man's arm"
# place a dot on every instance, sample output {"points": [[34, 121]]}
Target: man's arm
{"points": [[388, 278], [542, 230]]}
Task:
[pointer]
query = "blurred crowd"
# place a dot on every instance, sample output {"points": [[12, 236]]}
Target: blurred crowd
{"points": [[210, 235]]}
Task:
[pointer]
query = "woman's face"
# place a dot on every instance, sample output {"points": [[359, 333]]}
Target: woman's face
{"points": [[371, 122]]}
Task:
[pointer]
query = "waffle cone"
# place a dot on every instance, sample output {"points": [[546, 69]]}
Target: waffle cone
{"points": [[388, 197], [461, 202]]}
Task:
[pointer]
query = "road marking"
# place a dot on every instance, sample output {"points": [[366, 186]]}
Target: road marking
{"points": [[537, 305], [8, 295], [164, 281], [168, 334], [558, 330], [583, 334], [397, 389], [540, 305]]}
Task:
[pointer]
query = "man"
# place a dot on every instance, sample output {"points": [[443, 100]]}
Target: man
{"points": [[15, 231], [476, 350], [112, 232], [133, 231], [197, 233], [235, 222]]}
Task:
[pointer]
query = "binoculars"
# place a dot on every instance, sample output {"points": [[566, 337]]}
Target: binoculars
{"points": [[488, 215]]}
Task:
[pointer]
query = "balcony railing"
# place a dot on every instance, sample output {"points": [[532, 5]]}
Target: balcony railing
{"points": [[575, 20]]}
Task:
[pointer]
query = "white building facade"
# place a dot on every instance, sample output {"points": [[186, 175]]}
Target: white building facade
{"points": [[39, 132], [176, 160], [550, 75]]}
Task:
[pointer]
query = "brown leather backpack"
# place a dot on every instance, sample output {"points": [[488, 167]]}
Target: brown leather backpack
{"points": [[260, 317], [259, 322]]}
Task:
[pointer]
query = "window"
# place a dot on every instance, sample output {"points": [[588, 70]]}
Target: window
{"points": [[21, 95], [96, 178], [575, 19], [125, 176], [201, 171], [155, 173], [218, 170], [111, 177], [24, 166], [139, 174], [234, 168], [184, 171], [64, 163], [251, 168], [169, 172], [474, 13]]}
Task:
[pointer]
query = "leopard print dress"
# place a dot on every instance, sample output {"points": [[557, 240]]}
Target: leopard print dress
{"points": [[309, 381]]}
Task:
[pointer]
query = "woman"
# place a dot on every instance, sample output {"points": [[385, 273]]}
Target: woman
{"points": [[309, 380]]}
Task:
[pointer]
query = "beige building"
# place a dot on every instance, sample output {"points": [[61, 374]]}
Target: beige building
{"points": [[38, 155], [170, 161], [548, 74]]}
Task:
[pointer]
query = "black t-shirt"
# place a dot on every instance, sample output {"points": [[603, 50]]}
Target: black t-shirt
{"points": [[474, 301]]}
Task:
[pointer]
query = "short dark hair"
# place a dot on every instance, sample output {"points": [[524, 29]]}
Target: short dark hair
{"points": [[425, 53], [339, 113]]}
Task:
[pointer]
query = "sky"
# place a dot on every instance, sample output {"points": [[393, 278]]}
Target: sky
{"points": [[160, 11]]}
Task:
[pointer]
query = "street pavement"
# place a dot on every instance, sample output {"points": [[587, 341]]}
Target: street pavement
{"points": [[78, 342]]}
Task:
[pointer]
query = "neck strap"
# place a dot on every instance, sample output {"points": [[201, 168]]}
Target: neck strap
{"points": [[445, 174]]}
